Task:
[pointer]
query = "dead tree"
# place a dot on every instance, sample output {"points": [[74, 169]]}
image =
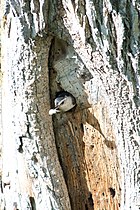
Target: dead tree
{"points": [[83, 159]]}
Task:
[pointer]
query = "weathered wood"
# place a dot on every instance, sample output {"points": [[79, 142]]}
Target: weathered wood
{"points": [[90, 49], [32, 177], [113, 94]]}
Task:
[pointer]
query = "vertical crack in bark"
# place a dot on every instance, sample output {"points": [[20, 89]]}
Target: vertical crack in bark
{"points": [[20, 148], [32, 202]]}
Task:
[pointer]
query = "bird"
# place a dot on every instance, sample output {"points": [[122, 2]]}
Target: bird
{"points": [[64, 101]]}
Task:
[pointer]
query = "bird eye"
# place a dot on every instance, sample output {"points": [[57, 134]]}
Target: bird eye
{"points": [[62, 103]]}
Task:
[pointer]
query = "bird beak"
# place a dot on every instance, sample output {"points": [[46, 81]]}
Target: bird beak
{"points": [[53, 111]]}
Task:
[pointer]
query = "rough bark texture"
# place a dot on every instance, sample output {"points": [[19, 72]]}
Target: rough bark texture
{"points": [[91, 49], [32, 177]]}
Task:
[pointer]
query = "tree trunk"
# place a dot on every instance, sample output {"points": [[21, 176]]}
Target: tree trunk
{"points": [[87, 158]]}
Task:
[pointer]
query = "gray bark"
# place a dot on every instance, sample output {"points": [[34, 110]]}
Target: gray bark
{"points": [[90, 49], [32, 177]]}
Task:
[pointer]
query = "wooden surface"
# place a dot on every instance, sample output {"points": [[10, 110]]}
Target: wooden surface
{"points": [[88, 158]]}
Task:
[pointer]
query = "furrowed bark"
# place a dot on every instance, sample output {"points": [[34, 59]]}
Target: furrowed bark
{"points": [[90, 49]]}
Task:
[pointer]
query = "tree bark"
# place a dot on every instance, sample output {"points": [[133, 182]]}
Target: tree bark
{"points": [[86, 158]]}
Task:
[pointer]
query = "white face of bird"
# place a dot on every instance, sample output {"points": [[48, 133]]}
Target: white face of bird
{"points": [[62, 102], [66, 104]]}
